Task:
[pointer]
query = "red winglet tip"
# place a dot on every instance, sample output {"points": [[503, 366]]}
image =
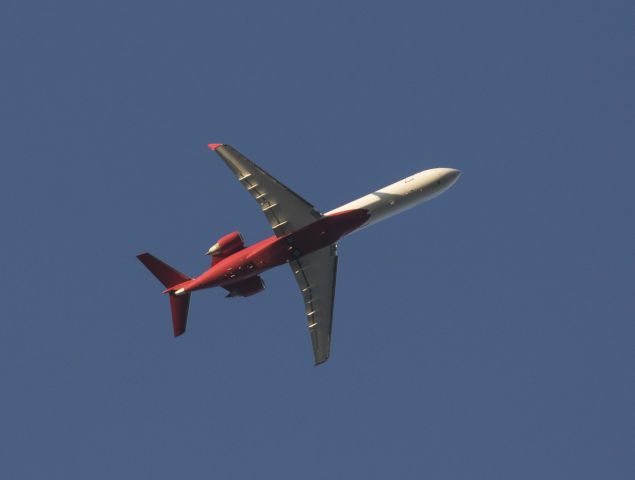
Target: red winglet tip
{"points": [[214, 146]]}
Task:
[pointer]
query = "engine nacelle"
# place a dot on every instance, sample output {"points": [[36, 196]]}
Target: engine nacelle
{"points": [[227, 245], [246, 288]]}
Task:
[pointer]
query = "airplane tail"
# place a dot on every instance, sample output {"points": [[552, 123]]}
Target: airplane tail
{"points": [[169, 277], [179, 304]]}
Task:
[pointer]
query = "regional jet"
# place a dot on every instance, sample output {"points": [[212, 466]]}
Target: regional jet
{"points": [[303, 237]]}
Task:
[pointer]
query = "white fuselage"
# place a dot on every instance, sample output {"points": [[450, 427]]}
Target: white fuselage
{"points": [[402, 195]]}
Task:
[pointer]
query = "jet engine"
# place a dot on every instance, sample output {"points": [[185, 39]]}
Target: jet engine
{"points": [[230, 243], [245, 288]]}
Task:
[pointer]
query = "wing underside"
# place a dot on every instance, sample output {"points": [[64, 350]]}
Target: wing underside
{"points": [[285, 210], [316, 275]]}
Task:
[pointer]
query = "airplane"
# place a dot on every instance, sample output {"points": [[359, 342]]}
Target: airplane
{"points": [[303, 237]]}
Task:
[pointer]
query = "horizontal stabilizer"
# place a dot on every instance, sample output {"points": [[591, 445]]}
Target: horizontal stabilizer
{"points": [[180, 305]]}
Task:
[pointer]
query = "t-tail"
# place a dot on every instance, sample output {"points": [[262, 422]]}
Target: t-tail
{"points": [[170, 277]]}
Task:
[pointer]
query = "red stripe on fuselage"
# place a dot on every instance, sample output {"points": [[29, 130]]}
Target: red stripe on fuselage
{"points": [[273, 251]]}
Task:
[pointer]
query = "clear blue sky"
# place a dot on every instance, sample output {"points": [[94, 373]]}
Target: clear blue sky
{"points": [[487, 334]]}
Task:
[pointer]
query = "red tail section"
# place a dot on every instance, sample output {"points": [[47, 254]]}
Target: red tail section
{"points": [[170, 277], [167, 275], [179, 304]]}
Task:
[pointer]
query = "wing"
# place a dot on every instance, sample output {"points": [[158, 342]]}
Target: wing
{"points": [[315, 274], [285, 210]]}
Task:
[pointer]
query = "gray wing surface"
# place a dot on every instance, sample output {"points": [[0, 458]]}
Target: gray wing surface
{"points": [[285, 210], [316, 274]]}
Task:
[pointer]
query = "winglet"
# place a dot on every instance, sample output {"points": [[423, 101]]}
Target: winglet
{"points": [[214, 146]]}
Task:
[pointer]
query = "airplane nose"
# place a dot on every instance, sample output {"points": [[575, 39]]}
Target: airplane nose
{"points": [[454, 175], [451, 175]]}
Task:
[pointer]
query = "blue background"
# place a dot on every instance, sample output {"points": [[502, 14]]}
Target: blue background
{"points": [[487, 334]]}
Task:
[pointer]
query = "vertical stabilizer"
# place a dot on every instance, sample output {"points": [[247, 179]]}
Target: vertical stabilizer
{"points": [[169, 277]]}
